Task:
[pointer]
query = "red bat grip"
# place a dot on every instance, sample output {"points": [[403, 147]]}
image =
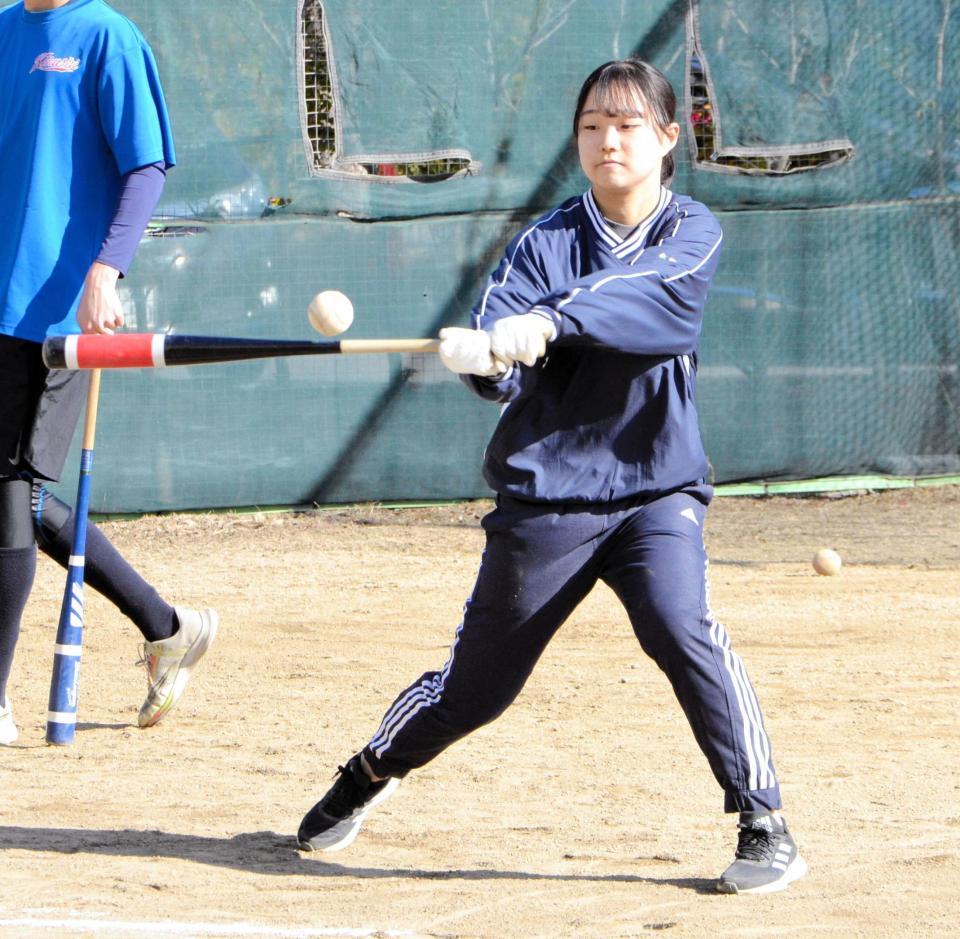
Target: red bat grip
{"points": [[125, 350]]}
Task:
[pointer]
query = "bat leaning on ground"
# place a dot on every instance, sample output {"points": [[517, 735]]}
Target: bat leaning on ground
{"points": [[159, 350], [64, 683], [145, 350]]}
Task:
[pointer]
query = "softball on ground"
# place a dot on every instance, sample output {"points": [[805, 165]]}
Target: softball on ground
{"points": [[827, 562], [330, 312]]}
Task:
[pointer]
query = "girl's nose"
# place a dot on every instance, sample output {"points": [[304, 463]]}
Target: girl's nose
{"points": [[610, 139]]}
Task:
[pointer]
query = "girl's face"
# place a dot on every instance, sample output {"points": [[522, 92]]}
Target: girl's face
{"points": [[621, 153]]}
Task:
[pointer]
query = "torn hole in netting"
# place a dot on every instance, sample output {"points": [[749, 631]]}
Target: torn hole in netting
{"points": [[762, 159], [321, 124]]}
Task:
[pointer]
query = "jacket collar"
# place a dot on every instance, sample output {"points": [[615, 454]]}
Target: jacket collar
{"points": [[629, 248]]}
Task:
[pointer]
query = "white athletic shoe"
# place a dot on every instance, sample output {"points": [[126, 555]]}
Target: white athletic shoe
{"points": [[8, 730], [170, 661]]}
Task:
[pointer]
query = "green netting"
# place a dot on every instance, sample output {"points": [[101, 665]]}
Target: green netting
{"points": [[472, 76], [815, 74], [496, 81], [781, 87], [832, 336], [387, 48], [820, 357]]}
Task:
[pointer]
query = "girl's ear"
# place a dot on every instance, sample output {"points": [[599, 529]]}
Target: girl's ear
{"points": [[669, 137]]}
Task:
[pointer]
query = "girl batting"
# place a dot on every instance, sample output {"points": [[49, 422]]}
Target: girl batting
{"points": [[588, 334]]}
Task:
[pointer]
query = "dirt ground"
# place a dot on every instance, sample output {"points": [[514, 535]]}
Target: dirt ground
{"points": [[586, 810]]}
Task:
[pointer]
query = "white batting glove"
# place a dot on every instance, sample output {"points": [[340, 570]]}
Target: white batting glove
{"points": [[467, 352], [521, 338]]}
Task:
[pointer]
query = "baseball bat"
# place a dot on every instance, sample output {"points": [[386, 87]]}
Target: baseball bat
{"points": [[159, 350], [64, 684]]}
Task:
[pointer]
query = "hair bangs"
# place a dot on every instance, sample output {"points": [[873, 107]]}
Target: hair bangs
{"points": [[616, 93]]}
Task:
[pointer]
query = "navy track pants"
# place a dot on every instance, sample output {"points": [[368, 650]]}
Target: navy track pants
{"points": [[540, 561]]}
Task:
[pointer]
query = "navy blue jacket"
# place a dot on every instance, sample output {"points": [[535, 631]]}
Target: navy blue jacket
{"points": [[610, 413]]}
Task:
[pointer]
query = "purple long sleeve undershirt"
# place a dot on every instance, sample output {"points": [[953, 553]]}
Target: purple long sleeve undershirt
{"points": [[140, 192]]}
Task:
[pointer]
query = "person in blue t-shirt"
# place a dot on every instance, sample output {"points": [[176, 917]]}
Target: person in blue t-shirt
{"points": [[588, 335], [85, 144]]}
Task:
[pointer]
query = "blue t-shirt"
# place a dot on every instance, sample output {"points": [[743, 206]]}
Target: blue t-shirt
{"points": [[80, 105]]}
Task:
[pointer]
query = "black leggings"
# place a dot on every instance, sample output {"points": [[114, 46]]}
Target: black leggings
{"points": [[16, 518], [29, 514], [18, 562]]}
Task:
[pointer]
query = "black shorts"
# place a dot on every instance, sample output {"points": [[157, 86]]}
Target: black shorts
{"points": [[39, 410]]}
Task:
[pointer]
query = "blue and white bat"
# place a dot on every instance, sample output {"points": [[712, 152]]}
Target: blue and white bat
{"points": [[64, 685]]}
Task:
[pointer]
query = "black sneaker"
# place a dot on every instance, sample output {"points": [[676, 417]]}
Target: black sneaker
{"points": [[767, 858], [335, 820]]}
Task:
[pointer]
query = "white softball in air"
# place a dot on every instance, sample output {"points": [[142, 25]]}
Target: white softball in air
{"points": [[827, 562], [330, 312]]}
